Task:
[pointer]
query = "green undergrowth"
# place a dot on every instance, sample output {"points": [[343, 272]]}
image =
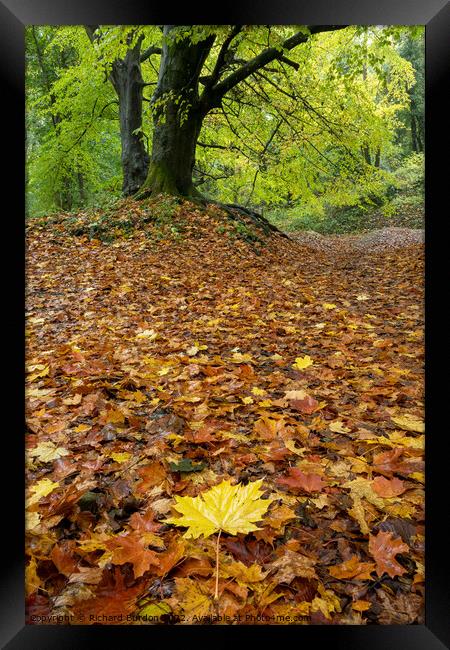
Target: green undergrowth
{"points": [[409, 214]]}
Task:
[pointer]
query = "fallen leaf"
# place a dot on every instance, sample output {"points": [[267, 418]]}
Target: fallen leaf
{"points": [[131, 548], [299, 480], [384, 547], [409, 423], [301, 363], [47, 451], [388, 488], [353, 568], [291, 565], [231, 508], [41, 489]]}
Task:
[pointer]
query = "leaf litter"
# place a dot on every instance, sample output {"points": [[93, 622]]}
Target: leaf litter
{"points": [[177, 358]]}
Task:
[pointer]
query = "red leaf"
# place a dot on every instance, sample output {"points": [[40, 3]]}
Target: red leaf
{"points": [[388, 462], [302, 481], [307, 405]]}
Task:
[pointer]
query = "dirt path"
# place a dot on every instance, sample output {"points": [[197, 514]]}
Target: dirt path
{"points": [[374, 241]]}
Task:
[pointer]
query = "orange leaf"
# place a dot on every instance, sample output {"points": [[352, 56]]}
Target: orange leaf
{"points": [[361, 605], [131, 548], [388, 488], [384, 548], [353, 568], [303, 481], [112, 600], [63, 559], [266, 428], [194, 566], [145, 522], [168, 559], [151, 475]]}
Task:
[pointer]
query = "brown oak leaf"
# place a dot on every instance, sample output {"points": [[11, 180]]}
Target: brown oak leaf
{"points": [[384, 547]]}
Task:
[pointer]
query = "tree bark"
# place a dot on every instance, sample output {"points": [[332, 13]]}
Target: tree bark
{"points": [[177, 116], [127, 80]]}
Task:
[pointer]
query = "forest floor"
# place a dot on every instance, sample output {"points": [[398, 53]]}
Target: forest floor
{"points": [[188, 349]]}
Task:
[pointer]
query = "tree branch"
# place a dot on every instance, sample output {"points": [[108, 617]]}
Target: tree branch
{"points": [[293, 64], [90, 31], [152, 49], [220, 62], [262, 59]]}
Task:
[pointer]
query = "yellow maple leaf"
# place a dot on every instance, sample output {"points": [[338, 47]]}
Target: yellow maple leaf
{"points": [[32, 520], [120, 457], [191, 597], [302, 362], [47, 451], [338, 427], [258, 391], [409, 423], [326, 603], [243, 574], [41, 489], [328, 305], [231, 508], [290, 444], [238, 357], [155, 610], [39, 374]]}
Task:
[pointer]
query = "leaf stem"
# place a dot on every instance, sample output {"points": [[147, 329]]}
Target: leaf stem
{"points": [[216, 593]]}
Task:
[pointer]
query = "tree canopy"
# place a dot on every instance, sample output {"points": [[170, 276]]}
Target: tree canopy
{"points": [[291, 116]]}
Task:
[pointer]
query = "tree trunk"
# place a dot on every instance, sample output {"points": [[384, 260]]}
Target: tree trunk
{"points": [[127, 80], [177, 115], [377, 158], [366, 153]]}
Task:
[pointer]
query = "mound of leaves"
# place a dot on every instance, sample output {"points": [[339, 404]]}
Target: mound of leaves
{"points": [[158, 368], [159, 218]]}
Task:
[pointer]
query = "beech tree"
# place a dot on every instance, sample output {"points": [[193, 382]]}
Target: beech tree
{"points": [[292, 116], [180, 106]]}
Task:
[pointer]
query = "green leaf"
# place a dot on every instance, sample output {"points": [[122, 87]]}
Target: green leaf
{"points": [[186, 465]]}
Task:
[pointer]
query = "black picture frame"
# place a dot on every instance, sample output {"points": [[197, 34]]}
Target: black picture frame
{"points": [[435, 15]]}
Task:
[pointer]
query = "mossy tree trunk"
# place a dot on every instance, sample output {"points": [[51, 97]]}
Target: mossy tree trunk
{"points": [[178, 114]]}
